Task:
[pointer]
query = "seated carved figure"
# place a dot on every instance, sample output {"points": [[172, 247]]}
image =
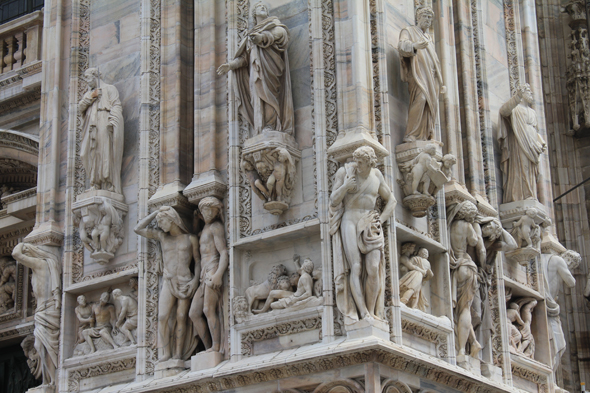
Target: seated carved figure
{"points": [[304, 288], [411, 283]]}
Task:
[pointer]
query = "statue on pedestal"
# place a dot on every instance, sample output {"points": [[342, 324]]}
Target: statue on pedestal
{"points": [[206, 308], [420, 67], [262, 81], [101, 150], [179, 249], [521, 146], [557, 268], [46, 283], [357, 236]]}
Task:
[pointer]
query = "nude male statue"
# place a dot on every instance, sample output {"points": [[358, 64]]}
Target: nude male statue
{"points": [[84, 313], [127, 320], [104, 315], [179, 248], [357, 235], [205, 309]]}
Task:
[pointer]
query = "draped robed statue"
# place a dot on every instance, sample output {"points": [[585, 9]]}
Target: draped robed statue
{"points": [[261, 69]]}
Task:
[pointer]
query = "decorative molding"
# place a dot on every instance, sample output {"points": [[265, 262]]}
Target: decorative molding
{"points": [[26, 71], [511, 45], [438, 338], [19, 141], [285, 224], [20, 100], [75, 376], [415, 366], [19, 196], [529, 375], [283, 329]]}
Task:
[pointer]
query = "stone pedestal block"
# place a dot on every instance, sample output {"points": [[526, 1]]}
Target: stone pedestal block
{"points": [[206, 184], [510, 212], [408, 151], [457, 193], [350, 140], [42, 389], [169, 368], [366, 328], [491, 372], [205, 360], [469, 363]]}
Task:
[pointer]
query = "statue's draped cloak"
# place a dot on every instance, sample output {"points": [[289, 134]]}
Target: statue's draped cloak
{"points": [[263, 80], [419, 68], [101, 151], [521, 147]]}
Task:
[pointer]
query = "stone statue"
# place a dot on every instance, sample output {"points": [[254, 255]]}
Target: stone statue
{"points": [[557, 268], [281, 180], [33, 358], [526, 232], [405, 263], [179, 249], [422, 177], [521, 146], [410, 285], [101, 150], [527, 341], [85, 319], [46, 283], [254, 179], [101, 229], [357, 236], [262, 81], [512, 317], [127, 320], [261, 291], [420, 67], [103, 315], [206, 308], [240, 309], [463, 233], [7, 283]]}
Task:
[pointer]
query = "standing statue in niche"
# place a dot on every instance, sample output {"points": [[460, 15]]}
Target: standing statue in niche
{"points": [[357, 236], [262, 81], [527, 341], [206, 308], [46, 283], [557, 268], [521, 146], [513, 316], [179, 249], [410, 285], [420, 67], [101, 150]]}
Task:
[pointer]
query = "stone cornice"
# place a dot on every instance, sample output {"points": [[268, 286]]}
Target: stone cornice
{"points": [[19, 141], [322, 358]]}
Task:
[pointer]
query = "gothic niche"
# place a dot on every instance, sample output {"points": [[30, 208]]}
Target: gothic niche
{"points": [[270, 156], [7, 284], [100, 210]]}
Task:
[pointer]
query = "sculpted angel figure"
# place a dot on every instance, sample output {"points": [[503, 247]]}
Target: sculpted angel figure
{"points": [[420, 67], [179, 249], [357, 236], [261, 70], [101, 150], [521, 146], [46, 283]]}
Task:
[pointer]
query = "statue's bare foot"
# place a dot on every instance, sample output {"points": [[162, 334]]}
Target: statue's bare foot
{"points": [[164, 359], [475, 348]]}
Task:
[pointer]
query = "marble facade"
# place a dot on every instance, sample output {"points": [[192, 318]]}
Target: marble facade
{"points": [[263, 197]]}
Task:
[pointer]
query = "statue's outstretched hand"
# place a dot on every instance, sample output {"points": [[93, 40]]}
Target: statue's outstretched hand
{"points": [[223, 69]]}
